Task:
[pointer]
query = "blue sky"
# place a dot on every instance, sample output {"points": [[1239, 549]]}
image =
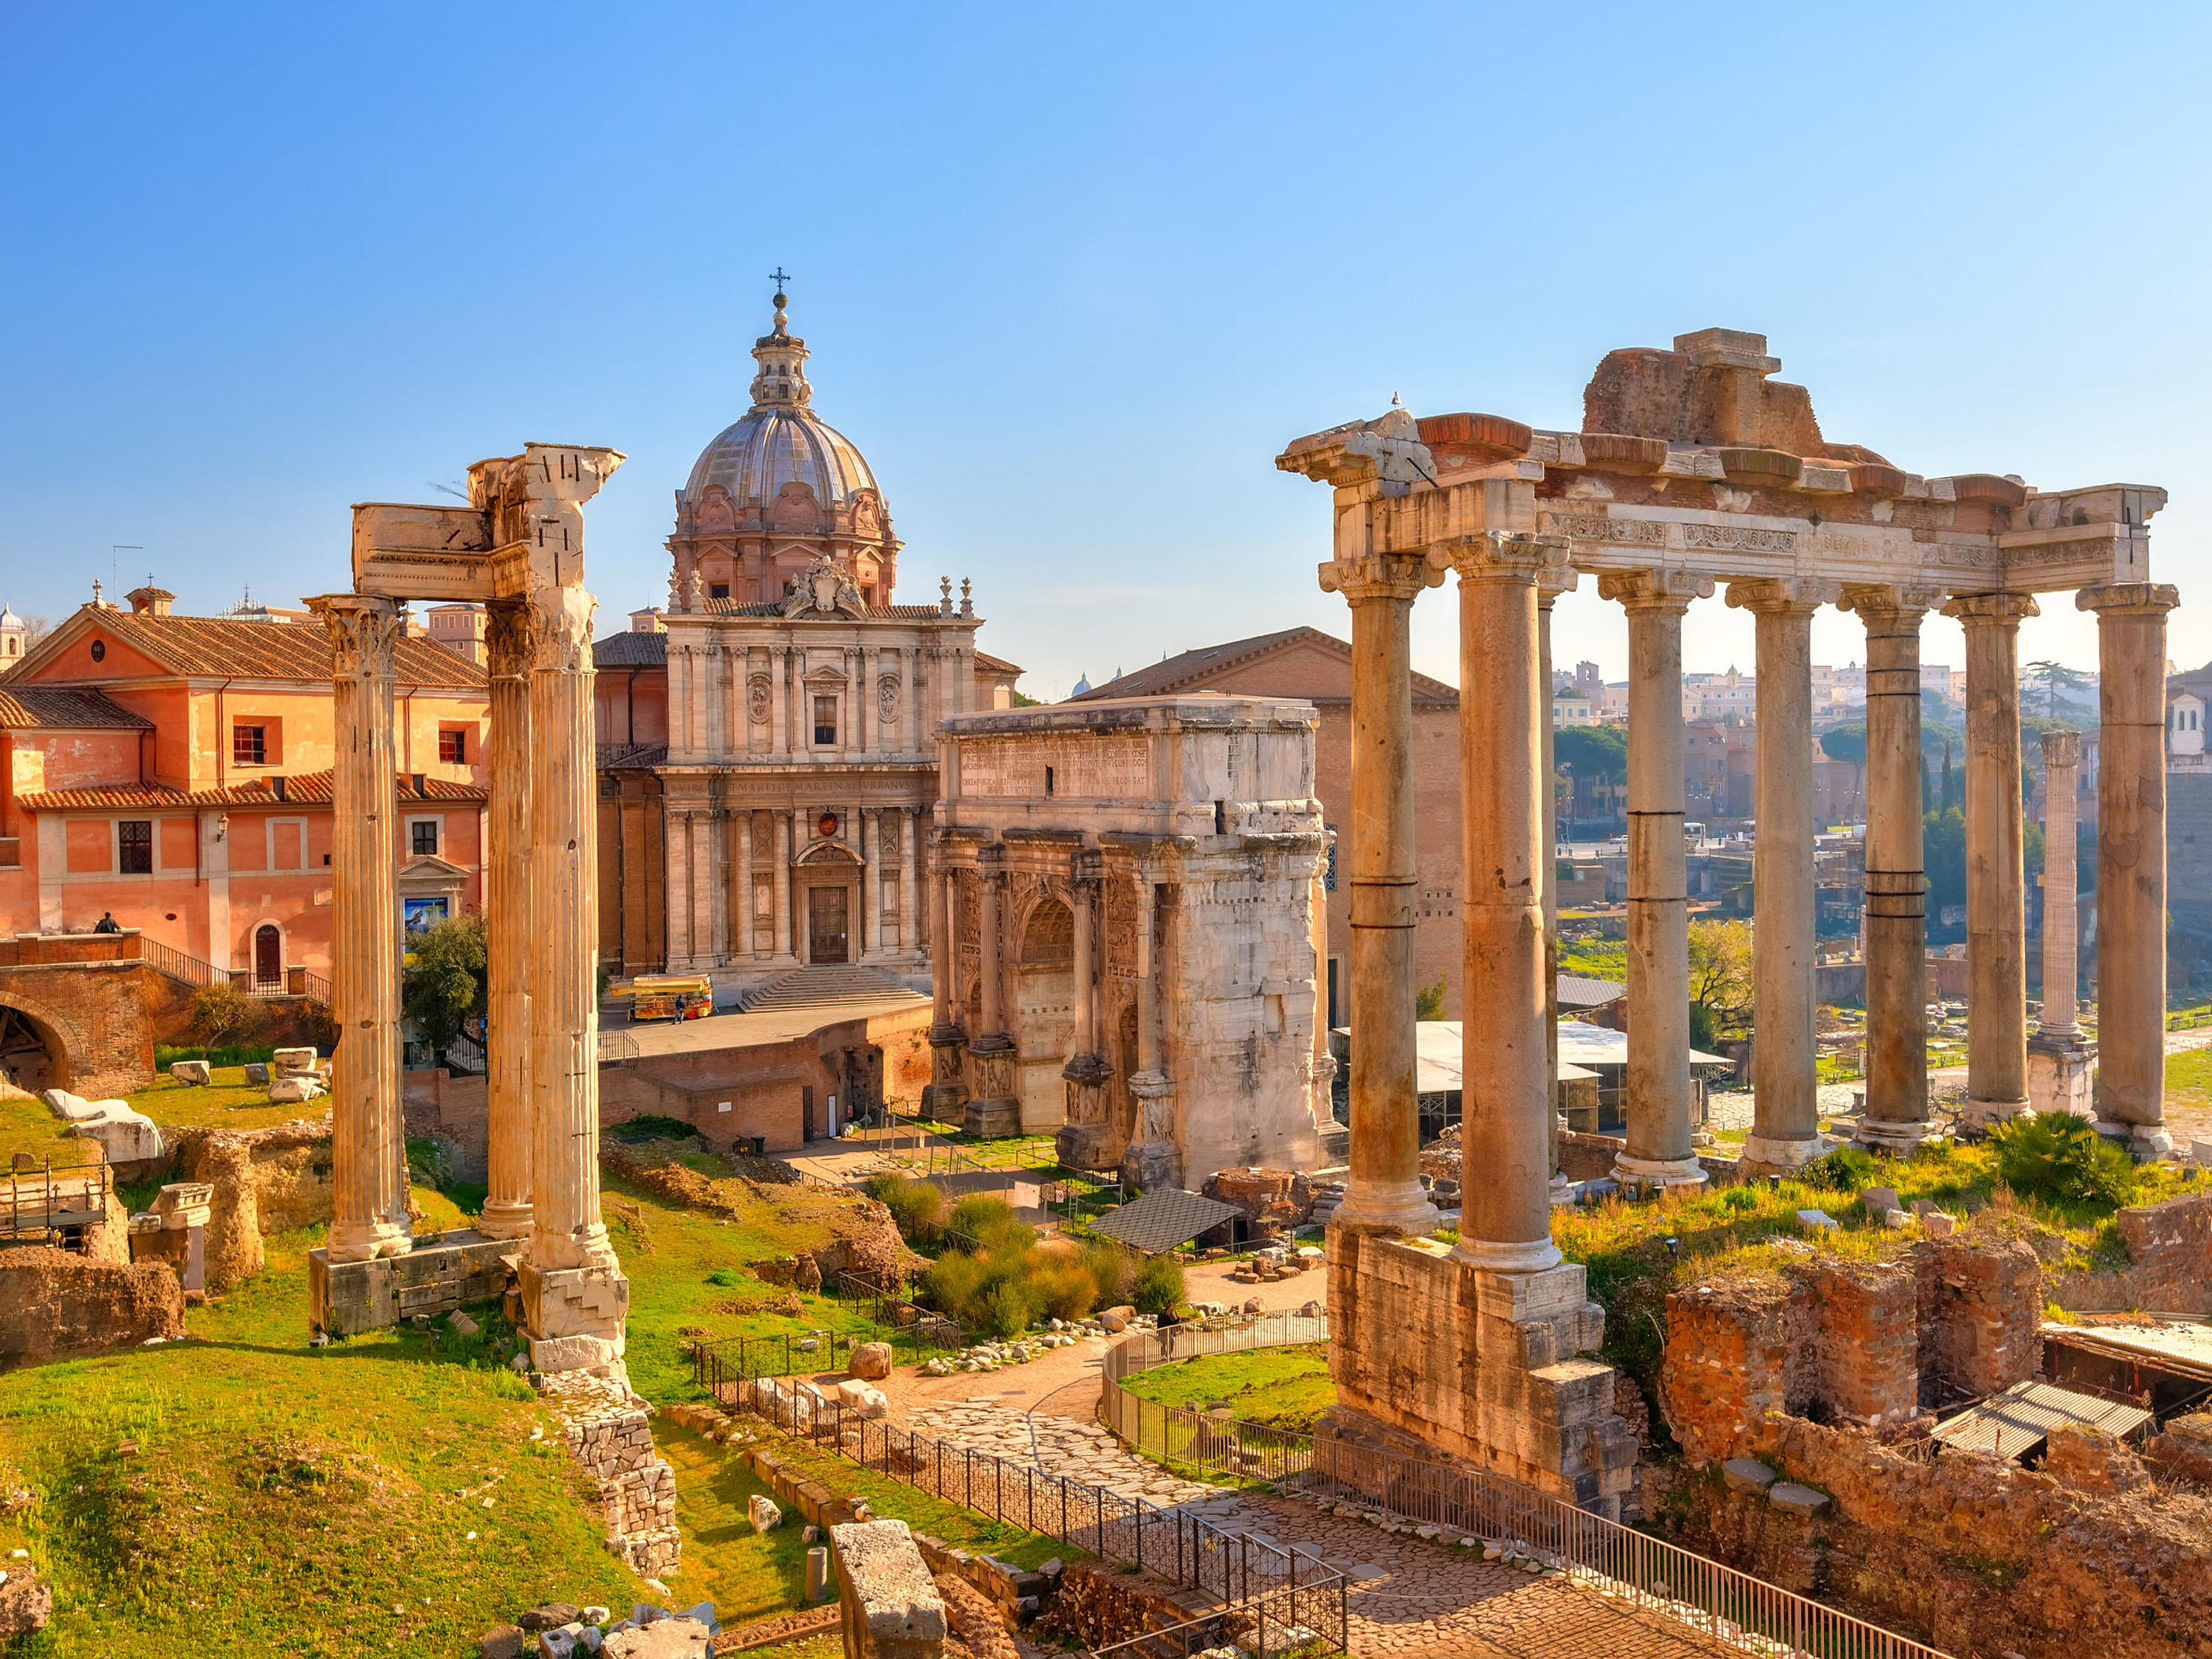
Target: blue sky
{"points": [[1071, 276]]}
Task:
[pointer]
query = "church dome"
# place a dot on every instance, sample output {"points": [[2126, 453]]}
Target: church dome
{"points": [[780, 439]]}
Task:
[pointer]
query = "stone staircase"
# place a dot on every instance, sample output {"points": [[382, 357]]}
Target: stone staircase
{"points": [[1326, 1199], [850, 985]]}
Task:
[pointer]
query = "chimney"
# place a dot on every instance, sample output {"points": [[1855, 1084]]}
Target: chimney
{"points": [[150, 600], [421, 785], [276, 783]]}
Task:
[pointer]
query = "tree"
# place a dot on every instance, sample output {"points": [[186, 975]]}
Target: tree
{"points": [[2057, 679], [1944, 853], [220, 1011], [448, 981], [1590, 755], [1952, 794], [1429, 1000], [1720, 971], [1848, 744]]}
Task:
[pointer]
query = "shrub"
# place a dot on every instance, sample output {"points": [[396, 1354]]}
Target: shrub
{"points": [[915, 1206], [1846, 1170], [2058, 1156], [1001, 1311], [1740, 1198], [990, 1222], [1158, 1286], [1110, 1269], [223, 1011], [952, 1282], [1061, 1287]]}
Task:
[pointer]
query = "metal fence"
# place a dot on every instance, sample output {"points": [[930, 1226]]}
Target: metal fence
{"points": [[294, 982], [44, 1204], [1730, 1606], [1236, 1570]]}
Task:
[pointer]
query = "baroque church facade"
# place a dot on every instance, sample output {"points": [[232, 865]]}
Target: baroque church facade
{"points": [[768, 746]]}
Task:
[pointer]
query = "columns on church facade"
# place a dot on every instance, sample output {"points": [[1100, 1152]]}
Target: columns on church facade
{"points": [[994, 1106], [368, 1153], [909, 898], [2131, 1086], [1785, 1132], [1085, 1139], [1507, 1124], [1996, 924], [510, 1111], [744, 941], [780, 850], [1896, 1116], [871, 879], [1660, 1151]]}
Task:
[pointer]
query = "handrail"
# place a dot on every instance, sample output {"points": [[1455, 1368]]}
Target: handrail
{"points": [[1236, 1569], [167, 959], [1728, 1604]]}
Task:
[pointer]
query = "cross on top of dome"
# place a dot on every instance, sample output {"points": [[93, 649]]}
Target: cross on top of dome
{"points": [[781, 382]]}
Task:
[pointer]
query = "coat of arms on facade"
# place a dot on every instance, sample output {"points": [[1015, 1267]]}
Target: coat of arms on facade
{"points": [[824, 588]]}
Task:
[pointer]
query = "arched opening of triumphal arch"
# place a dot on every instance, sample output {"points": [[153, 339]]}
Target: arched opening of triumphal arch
{"points": [[1043, 973], [32, 1056]]}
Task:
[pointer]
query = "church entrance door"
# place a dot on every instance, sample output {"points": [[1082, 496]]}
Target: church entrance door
{"points": [[825, 925]]}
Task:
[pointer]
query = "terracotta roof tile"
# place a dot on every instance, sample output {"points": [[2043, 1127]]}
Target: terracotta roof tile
{"points": [[206, 645], [63, 709], [306, 789], [1193, 670], [632, 650]]}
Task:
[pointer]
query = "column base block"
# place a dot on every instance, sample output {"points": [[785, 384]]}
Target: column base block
{"points": [[2061, 1077], [1777, 1155], [2148, 1141], [1438, 1359], [1982, 1114], [1385, 1209], [367, 1241], [1001, 1116], [945, 1102], [504, 1220], [1562, 1193], [574, 1318], [1153, 1165], [345, 1298], [1897, 1136], [1654, 1172], [1526, 1256]]}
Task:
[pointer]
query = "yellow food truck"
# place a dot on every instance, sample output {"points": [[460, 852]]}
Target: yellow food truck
{"points": [[665, 996]]}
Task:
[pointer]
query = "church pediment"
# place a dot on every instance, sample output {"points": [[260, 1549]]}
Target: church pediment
{"points": [[823, 591], [828, 851]]}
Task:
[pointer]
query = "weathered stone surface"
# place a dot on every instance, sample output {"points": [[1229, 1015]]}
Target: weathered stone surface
{"points": [[295, 1089], [892, 1606], [189, 1071], [871, 1361], [764, 1512], [501, 1642], [125, 1137], [1793, 1499], [260, 1181], [2093, 1460], [2170, 1261], [549, 1615], [56, 1305], [664, 1639], [292, 1062], [26, 1603], [1746, 1475]]}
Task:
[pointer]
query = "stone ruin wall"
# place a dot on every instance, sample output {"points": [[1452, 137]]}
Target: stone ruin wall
{"points": [[609, 1432], [55, 1305], [2169, 1262]]}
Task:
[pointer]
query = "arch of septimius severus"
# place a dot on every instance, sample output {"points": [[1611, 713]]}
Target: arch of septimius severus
{"points": [[1694, 471]]}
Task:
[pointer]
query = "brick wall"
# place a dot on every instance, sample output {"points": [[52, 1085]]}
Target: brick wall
{"points": [[1869, 1345], [2170, 1262], [103, 1019]]}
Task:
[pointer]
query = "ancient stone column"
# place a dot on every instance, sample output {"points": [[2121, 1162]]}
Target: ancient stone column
{"points": [[1082, 1141], [945, 1098], [1785, 1085], [910, 913], [741, 918], [870, 838], [2131, 858], [575, 1297], [2058, 1060], [1660, 1151], [1997, 917], [1153, 1158], [511, 1129], [1896, 1117], [1551, 580], [1505, 1223], [1384, 1194], [993, 1107], [369, 1151]]}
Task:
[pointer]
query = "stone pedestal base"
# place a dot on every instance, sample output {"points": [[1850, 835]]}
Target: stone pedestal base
{"points": [[347, 1297], [1562, 1193], [504, 1220], [1982, 1114], [1879, 1134], [574, 1317], [366, 1241], [945, 1102], [1153, 1165], [1766, 1155], [993, 1107], [1654, 1172], [2146, 1140], [1450, 1361], [946, 1095], [2060, 1075], [1086, 1141], [1386, 1209]]}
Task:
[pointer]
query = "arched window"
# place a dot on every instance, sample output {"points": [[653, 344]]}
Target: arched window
{"points": [[268, 954]]}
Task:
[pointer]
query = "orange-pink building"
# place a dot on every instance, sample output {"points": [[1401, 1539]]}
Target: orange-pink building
{"points": [[174, 773]]}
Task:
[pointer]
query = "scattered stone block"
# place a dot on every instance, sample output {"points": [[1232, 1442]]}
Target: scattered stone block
{"points": [[664, 1639], [125, 1136], [462, 1325], [500, 1642], [1877, 1199], [1937, 1224], [1793, 1499], [1116, 1320], [193, 1072], [1816, 1221], [1896, 1219], [295, 1089], [257, 1071], [817, 1573], [1746, 1475], [871, 1361], [549, 1615], [596, 1615], [764, 1512], [292, 1062]]}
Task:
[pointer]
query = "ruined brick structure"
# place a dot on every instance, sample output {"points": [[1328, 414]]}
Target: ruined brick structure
{"points": [[609, 1432]]}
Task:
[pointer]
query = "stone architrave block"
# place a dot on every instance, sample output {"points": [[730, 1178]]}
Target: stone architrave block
{"points": [[194, 1071], [664, 1639], [126, 1137], [76, 1109], [1793, 1499], [296, 1089], [292, 1062], [1816, 1221], [764, 1512], [892, 1606], [257, 1071]]}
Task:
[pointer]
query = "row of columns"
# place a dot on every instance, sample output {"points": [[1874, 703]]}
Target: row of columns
{"points": [[542, 904], [712, 712], [712, 855], [1510, 1123]]}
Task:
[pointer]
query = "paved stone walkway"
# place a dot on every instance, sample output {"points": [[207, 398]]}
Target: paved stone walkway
{"points": [[1409, 1598]]}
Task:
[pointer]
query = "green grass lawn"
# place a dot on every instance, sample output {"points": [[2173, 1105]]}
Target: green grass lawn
{"points": [[2189, 1081], [28, 1125], [1282, 1388]]}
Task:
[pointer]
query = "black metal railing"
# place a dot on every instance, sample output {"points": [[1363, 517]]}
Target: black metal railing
{"points": [[1235, 1570], [44, 1205]]}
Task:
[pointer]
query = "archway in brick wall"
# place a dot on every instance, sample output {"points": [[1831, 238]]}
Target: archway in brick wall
{"points": [[31, 1057]]}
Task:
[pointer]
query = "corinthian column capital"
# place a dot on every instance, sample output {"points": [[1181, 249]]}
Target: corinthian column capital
{"points": [[1501, 555], [1654, 590], [561, 628], [510, 638], [1365, 577], [1984, 609], [2151, 597], [1784, 595], [2061, 747], [363, 632], [1906, 600]]}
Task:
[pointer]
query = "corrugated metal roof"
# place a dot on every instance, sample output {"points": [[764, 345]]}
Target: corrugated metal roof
{"points": [[1162, 1219], [2013, 1424], [61, 708], [1578, 993]]}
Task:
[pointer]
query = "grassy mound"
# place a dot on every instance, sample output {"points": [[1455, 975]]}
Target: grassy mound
{"points": [[1281, 1387]]}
